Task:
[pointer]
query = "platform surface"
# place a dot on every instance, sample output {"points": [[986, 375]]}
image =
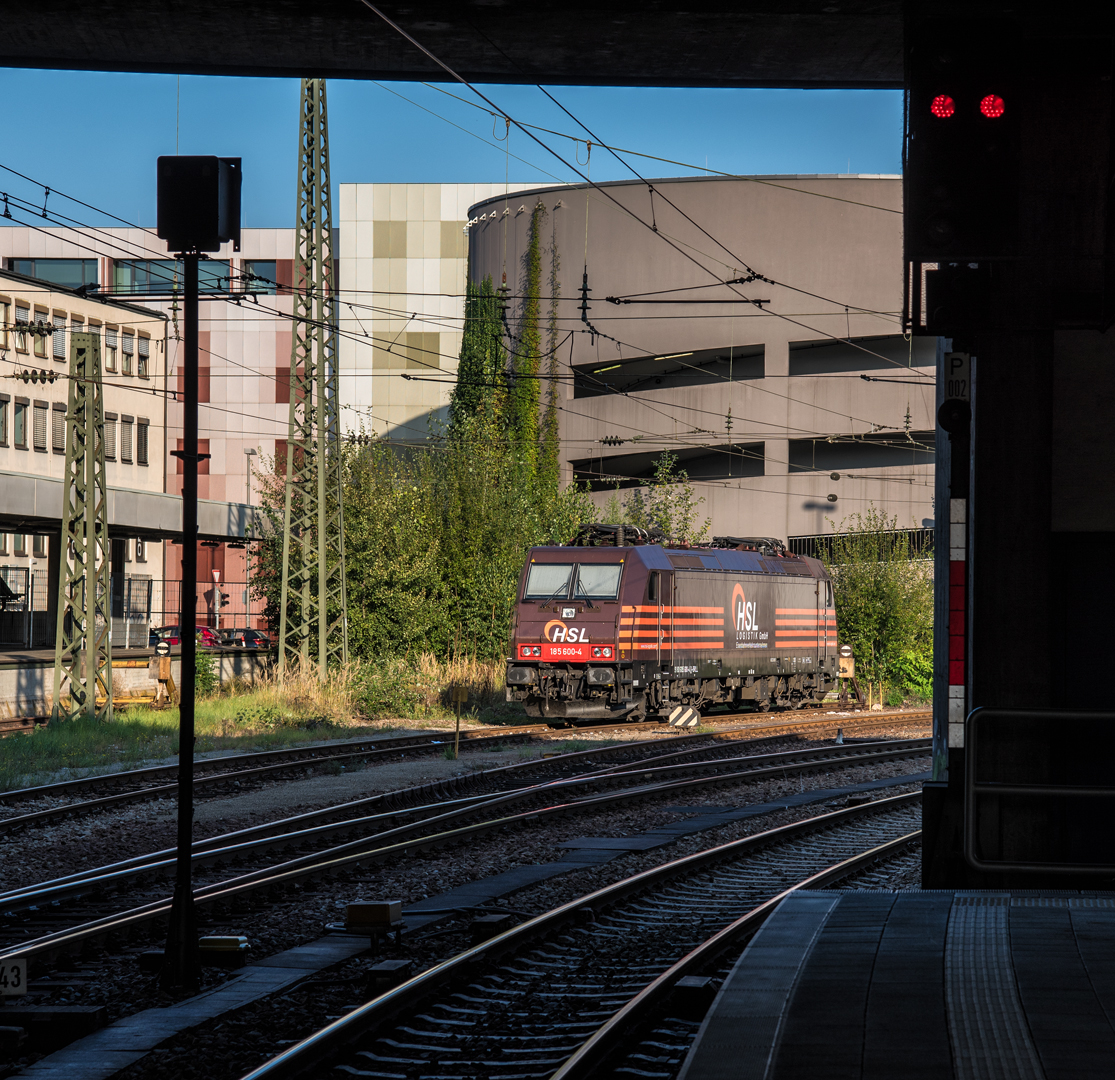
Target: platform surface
{"points": [[922, 985]]}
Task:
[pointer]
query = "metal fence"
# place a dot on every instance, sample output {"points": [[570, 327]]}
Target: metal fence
{"points": [[27, 607], [821, 546]]}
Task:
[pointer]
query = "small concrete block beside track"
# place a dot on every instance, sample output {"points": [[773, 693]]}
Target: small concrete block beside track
{"points": [[106, 1052], [922, 985]]}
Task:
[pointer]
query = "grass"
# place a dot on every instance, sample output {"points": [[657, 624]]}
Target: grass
{"points": [[269, 714]]}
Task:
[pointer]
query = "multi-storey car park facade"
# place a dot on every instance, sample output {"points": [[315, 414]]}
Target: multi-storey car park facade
{"points": [[791, 398]]}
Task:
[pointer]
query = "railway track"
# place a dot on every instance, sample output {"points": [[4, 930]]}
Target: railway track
{"points": [[557, 994], [216, 775], [31, 915]]}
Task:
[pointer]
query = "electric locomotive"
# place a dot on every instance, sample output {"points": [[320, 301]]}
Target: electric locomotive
{"points": [[613, 627]]}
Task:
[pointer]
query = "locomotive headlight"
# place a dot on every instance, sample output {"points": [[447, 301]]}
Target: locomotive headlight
{"points": [[607, 650], [537, 651], [596, 651]]}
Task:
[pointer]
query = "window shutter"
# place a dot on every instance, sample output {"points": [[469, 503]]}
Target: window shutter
{"points": [[22, 314], [40, 427], [125, 441], [129, 344], [142, 440], [59, 337], [58, 430], [110, 436], [110, 338]]}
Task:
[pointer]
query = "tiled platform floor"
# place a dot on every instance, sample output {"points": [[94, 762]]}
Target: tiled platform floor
{"points": [[919, 986]]}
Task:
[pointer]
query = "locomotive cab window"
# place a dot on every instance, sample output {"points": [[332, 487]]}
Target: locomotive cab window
{"points": [[652, 587], [548, 581], [598, 581]]}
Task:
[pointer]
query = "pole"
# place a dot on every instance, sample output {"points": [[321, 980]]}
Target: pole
{"points": [[182, 962], [457, 737]]}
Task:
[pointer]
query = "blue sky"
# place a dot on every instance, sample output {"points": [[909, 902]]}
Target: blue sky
{"points": [[96, 135]]}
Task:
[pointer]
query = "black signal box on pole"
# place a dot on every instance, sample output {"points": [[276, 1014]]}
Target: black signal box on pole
{"points": [[199, 202], [964, 112]]}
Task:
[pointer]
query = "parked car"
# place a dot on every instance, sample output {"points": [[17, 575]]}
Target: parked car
{"points": [[243, 637], [206, 637]]}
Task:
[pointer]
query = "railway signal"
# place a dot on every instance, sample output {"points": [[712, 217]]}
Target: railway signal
{"points": [[198, 211], [962, 150]]}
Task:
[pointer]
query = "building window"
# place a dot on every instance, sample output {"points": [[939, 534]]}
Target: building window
{"points": [[69, 273], [110, 436], [5, 404], [128, 352], [144, 356], [110, 349], [3, 543], [5, 315], [19, 424], [19, 545], [42, 330], [59, 337], [140, 277], [126, 439], [77, 325], [141, 551], [58, 428], [259, 276], [39, 433], [22, 319], [38, 547], [143, 441]]}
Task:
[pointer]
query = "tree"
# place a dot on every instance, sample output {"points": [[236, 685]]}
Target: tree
{"points": [[523, 399], [884, 601], [667, 504], [549, 456], [480, 369]]}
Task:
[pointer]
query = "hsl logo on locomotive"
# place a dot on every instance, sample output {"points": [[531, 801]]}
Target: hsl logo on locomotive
{"points": [[746, 612], [556, 630]]}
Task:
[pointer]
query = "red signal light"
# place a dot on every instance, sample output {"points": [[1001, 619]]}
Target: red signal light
{"points": [[943, 107], [992, 106]]}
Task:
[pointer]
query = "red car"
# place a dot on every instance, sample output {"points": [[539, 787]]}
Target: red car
{"points": [[206, 638]]}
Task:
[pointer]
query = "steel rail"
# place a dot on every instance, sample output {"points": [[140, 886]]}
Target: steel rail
{"points": [[397, 742], [142, 794], [604, 1042], [339, 859], [219, 849], [304, 1058]]}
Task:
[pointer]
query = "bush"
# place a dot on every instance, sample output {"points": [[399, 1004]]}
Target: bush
{"points": [[207, 677], [884, 602]]}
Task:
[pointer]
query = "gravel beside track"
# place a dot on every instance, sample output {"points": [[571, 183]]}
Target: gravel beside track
{"points": [[292, 921], [278, 924], [521, 1010]]}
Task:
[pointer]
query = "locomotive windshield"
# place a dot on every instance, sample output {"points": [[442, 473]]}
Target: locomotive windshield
{"points": [[564, 581], [598, 581], [548, 581]]}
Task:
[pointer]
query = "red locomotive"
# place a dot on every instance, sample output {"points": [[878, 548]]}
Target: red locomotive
{"points": [[615, 627]]}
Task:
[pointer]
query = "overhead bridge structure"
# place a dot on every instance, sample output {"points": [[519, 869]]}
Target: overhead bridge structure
{"points": [[815, 43]]}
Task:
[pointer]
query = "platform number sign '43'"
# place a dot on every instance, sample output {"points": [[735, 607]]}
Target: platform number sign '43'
{"points": [[13, 978]]}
